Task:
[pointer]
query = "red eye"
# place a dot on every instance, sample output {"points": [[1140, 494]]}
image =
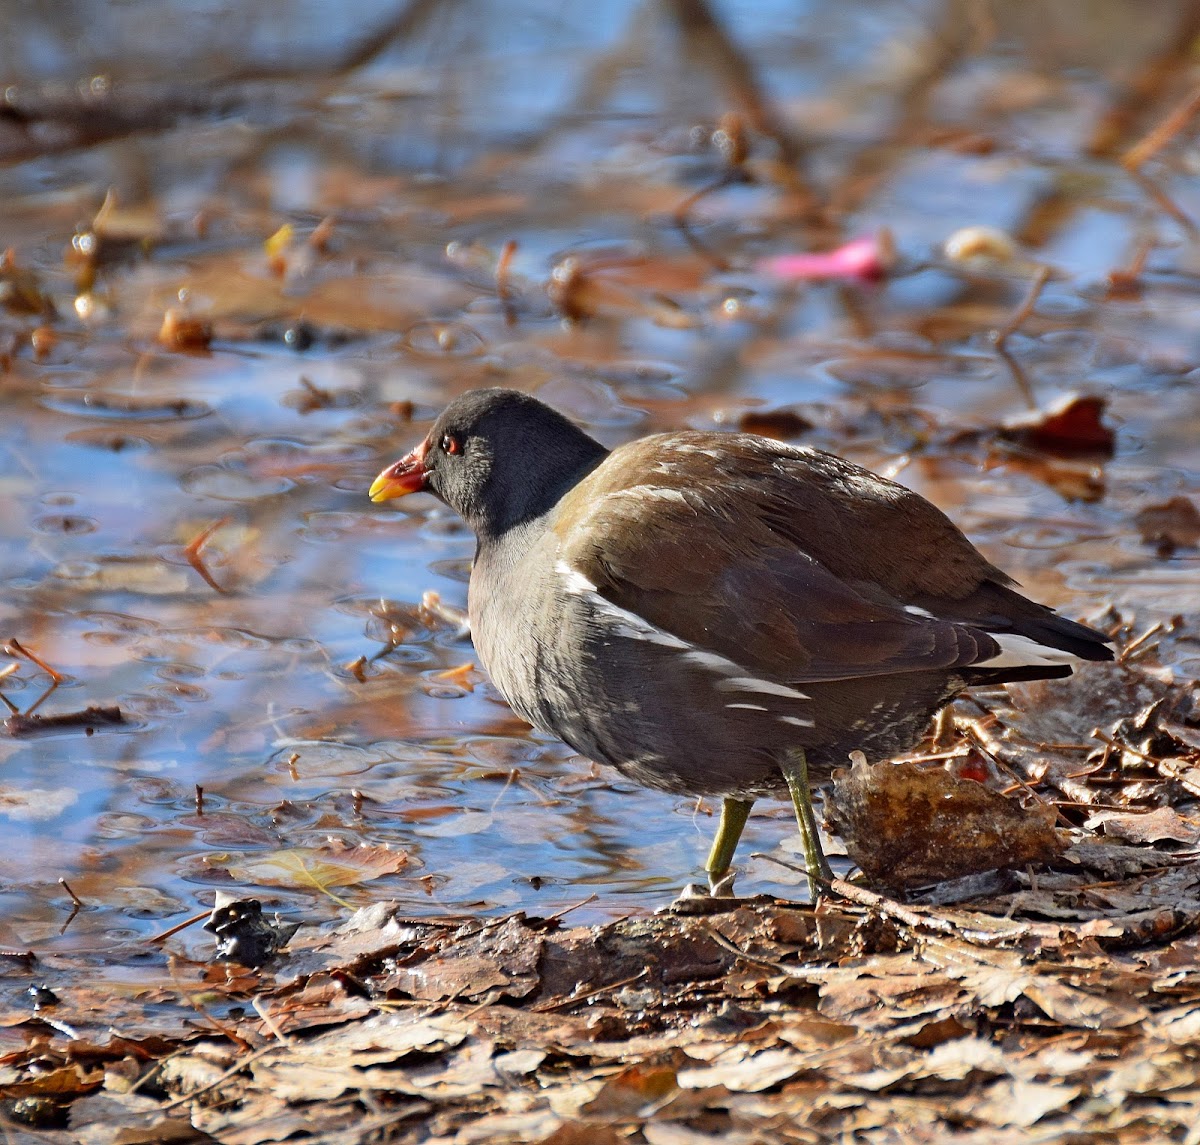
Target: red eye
{"points": [[451, 444]]}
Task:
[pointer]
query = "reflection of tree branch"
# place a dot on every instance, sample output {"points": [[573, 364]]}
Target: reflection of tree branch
{"points": [[1164, 202], [48, 120], [1144, 91], [712, 45], [945, 50]]}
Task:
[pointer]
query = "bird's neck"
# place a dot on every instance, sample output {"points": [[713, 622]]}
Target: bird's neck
{"points": [[522, 495]]}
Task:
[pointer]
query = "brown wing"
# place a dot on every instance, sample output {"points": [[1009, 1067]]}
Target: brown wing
{"points": [[753, 551]]}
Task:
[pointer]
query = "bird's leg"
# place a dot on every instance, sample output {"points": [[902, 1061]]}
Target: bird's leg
{"points": [[795, 771], [734, 813]]}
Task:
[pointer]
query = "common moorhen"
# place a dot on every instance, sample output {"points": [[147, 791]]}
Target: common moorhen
{"points": [[719, 613]]}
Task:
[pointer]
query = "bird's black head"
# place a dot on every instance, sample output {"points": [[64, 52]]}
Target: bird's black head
{"points": [[497, 457]]}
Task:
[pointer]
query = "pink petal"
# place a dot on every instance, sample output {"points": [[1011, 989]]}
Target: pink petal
{"points": [[863, 260]]}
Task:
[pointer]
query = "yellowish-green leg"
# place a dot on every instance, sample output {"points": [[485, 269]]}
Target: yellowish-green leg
{"points": [[734, 813], [795, 771]]}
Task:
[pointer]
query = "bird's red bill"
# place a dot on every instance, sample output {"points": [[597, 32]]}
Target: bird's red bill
{"points": [[408, 475]]}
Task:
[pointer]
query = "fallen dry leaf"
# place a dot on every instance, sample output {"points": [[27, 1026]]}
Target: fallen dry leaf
{"points": [[904, 825], [1147, 826], [320, 867]]}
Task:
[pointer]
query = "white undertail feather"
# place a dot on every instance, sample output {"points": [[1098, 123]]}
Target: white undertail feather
{"points": [[1022, 652]]}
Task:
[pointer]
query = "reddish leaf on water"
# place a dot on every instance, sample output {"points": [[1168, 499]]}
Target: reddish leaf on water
{"points": [[1074, 424]]}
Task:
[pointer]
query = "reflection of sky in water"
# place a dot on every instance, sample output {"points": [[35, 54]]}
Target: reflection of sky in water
{"points": [[105, 476]]}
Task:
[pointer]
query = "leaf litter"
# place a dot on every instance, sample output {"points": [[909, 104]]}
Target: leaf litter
{"points": [[1059, 996]]}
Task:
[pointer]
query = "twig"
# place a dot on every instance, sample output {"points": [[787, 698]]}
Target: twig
{"points": [[66, 886], [14, 648], [504, 283], [1001, 336], [563, 1003], [163, 935], [725, 944], [987, 745], [713, 48], [917, 919], [191, 553], [1121, 746], [1018, 375], [25, 723], [269, 1021], [237, 1067], [1165, 203], [1134, 645], [567, 909], [1162, 133], [1125, 281], [1150, 78]]}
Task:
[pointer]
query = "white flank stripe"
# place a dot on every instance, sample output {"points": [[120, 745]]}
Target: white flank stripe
{"points": [[796, 720], [767, 687], [625, 623], [710, 660], [577, 584]]}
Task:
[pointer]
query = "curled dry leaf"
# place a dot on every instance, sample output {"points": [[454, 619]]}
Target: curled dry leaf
{"points": [[980, 244], [905, 826], [1148, 826]]}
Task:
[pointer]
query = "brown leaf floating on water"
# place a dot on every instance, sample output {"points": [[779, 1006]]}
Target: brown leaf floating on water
{"points": [[184, 334], [905, 826], [25, 724], [21, 290], [781, 424], [1175, 524]]}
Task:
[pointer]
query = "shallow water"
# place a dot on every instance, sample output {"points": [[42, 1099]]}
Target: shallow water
{"points": [[568, 134]]}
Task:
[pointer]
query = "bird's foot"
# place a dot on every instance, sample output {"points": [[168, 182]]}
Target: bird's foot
{"points": [[716, 897]]}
